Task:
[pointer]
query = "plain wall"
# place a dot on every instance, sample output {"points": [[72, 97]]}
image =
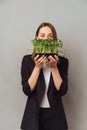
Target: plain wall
{"points": [[19, 20]]}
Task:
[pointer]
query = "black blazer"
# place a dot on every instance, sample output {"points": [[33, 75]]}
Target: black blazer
{"points": [[30, 119]]}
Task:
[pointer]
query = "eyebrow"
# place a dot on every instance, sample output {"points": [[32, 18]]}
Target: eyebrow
{"points": [[51, 33], [41, 33], [48, 34]]}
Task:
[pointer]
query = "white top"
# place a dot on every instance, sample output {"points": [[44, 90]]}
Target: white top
{"points": [[46, 72]]}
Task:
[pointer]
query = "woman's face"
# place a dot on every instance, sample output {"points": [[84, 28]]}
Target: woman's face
{"points": [[45, 33]]}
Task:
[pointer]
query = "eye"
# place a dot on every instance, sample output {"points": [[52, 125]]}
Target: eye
{"points": [[42, 35], [50, 36]]}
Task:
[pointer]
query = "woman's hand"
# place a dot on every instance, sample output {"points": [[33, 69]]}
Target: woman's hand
{"points": [[39, 61], [53, 61]]}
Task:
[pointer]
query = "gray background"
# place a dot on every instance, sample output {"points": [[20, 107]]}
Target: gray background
{"points": [[19, 20]]}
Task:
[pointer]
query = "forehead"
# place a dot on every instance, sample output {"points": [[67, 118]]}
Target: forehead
{"points": [[45, 29]]}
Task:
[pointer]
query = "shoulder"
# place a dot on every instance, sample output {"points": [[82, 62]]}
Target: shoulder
{"points": [[27, 59], [27, 56], [63, 60]]}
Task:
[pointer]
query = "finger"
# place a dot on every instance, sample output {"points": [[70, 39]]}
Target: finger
{"points": [[51, 58], [42, 57], [36, 57], [41, 60], [56, 57], [44, 60]]}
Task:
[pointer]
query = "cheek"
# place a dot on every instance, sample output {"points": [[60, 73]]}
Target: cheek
{"points": [[50, 37], [40, 37]]}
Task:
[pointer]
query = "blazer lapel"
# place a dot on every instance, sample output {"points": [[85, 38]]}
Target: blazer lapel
{"points": [[50, 82], [41, 87]]}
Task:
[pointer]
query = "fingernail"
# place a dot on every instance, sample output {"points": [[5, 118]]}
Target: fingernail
{"points": [[37, 55]]}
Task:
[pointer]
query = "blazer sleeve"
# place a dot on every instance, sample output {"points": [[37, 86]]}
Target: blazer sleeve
{"points": [[25, 73], [63, 69]]}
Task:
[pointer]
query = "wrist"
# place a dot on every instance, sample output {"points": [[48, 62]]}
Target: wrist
{"points": [[37, 68], [54, 68]]}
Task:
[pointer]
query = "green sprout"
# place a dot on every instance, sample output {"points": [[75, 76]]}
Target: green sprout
{"points": [[45, 46]]}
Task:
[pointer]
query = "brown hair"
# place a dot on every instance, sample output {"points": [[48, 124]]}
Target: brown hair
{"points": [[50, 26]]}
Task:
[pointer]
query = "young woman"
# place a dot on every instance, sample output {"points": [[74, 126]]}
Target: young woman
{"points": [[44, 81]]}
